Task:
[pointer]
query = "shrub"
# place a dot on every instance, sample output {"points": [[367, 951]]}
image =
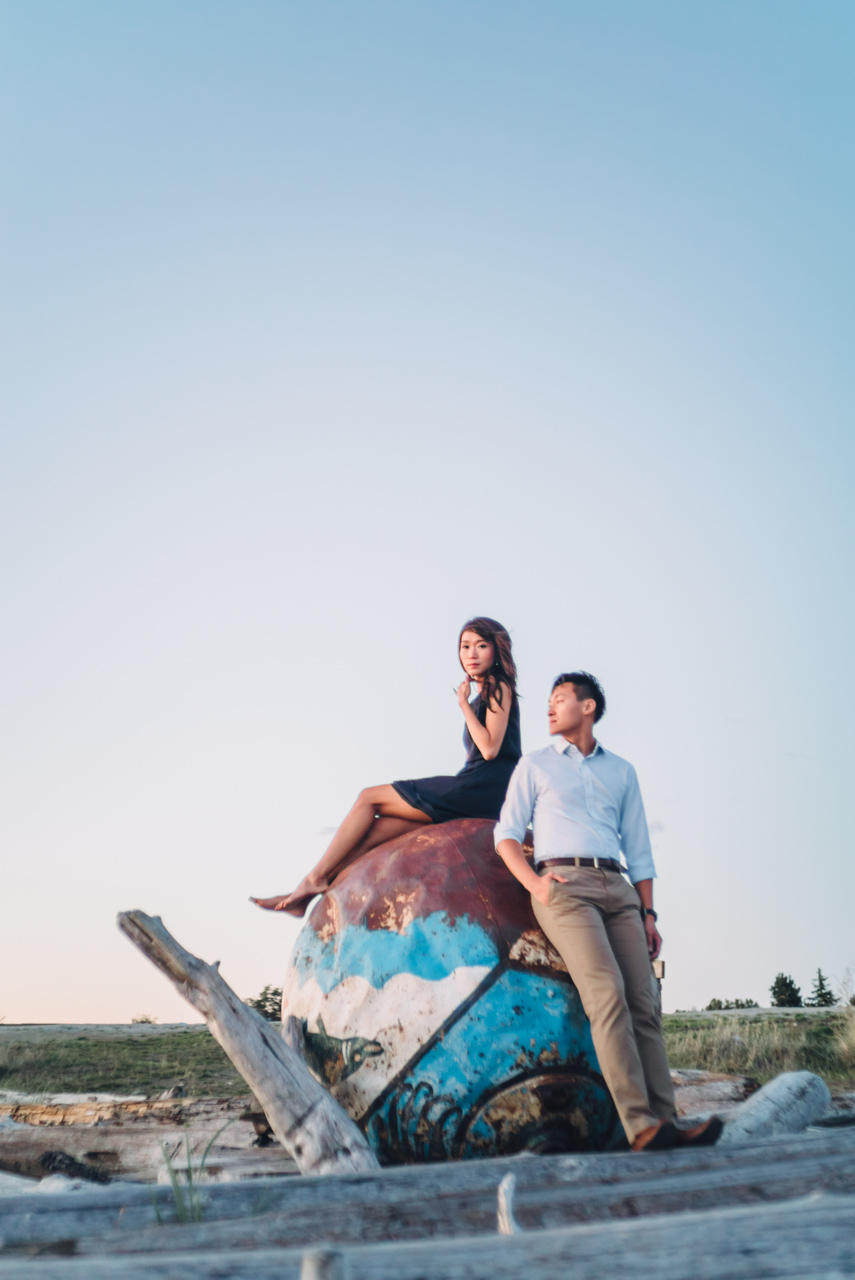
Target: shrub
{"points": [[785, 993], [268, 1003], [715, 1003]]}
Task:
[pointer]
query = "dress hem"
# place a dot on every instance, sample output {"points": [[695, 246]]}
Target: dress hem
{"points": [[408, 793]]}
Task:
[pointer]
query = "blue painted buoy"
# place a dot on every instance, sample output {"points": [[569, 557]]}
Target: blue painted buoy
{"points": [[428, 1001]]}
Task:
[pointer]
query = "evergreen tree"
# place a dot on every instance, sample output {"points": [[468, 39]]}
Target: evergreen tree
{"points": [[785, 993], [822, 997], [268, 1003]]}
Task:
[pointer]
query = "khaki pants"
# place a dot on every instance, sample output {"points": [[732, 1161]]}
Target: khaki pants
{"points": [[594, 923]]}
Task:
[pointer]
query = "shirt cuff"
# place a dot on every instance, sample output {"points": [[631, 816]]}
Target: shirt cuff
{"points": [[504, 831], [640, 869]]}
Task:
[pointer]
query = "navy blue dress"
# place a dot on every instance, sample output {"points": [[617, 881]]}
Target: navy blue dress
{"points": [[478, 790]]}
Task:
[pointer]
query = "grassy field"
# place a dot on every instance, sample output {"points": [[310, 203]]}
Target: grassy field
{"points": [[760, 1047], [124, 1065], [763, 1047]]}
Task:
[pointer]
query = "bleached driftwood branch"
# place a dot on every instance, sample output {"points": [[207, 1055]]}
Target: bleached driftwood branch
{"points": [[309, 1123], [506, 1219], [787, 1104], [430, 1201]]}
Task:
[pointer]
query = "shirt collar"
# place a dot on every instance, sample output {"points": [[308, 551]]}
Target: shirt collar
{"points": [[563, 747]]}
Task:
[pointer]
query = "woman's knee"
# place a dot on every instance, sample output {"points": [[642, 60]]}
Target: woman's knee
{"points": [[370, 798]]}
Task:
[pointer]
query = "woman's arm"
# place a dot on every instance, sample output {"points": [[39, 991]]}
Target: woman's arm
{"points": [[488, 738]]}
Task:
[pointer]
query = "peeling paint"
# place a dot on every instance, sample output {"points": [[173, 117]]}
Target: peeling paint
{"points": [[467, 1037]]}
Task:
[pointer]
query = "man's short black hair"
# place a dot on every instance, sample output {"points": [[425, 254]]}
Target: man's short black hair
{"points": [[587, 686]]}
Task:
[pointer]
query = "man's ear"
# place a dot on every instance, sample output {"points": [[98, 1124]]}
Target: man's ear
{"points": [[589, 707]]}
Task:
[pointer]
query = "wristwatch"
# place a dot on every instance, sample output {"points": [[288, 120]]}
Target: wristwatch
{"points": [[648, 911]]}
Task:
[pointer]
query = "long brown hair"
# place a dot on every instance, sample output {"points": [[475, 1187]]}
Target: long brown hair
{"points": [[503, 670]]}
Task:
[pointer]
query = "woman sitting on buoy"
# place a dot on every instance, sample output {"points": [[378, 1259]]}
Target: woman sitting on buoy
{"points": [[492, 741]]}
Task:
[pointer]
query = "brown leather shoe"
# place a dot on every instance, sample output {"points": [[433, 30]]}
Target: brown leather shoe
{"points": [[702, 1135], [659, 1137]]}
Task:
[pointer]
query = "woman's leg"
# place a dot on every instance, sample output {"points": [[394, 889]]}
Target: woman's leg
{"points": [[382, 830], [355, 836], [371, 804]]}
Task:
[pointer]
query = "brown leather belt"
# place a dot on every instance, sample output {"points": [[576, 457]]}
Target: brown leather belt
{"points": [[603, 864]]}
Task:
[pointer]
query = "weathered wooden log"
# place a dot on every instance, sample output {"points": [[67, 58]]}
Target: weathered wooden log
{"points": [[309, 1123], [137, 1155], [134, 1149], [374, 1212], [427, 1200], [710, 1091], [524, 1209], [12, 1184], [811, 1238], [224, 1164], [787, 1104], [84, 1112], [127, 1139]]}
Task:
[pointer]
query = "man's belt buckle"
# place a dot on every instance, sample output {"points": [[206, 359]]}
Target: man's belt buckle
{"points": [[597, 863]]}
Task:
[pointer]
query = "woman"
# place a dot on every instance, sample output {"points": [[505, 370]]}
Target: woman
{"points": [[492, 740]]}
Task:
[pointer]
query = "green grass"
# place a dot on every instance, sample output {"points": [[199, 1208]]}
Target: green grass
{"points": [[764, 1047], [144, 1064], [148, 1064]]}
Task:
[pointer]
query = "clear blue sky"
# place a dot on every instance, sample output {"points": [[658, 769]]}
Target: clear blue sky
{"points": [[327, 325]]}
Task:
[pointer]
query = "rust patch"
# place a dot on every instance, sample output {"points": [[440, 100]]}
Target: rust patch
{"points": [[514, 1107], [552, 1111], [548, 1057], [450, 867], [579, 1121], [535, 951]]}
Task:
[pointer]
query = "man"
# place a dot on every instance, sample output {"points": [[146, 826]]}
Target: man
{"points": [[586, 807]]}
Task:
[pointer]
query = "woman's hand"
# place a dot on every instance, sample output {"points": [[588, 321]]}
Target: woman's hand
{"points": [[488, 737]]}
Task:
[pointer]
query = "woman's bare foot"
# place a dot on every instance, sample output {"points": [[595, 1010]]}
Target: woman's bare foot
{"points": [[294, 904]]}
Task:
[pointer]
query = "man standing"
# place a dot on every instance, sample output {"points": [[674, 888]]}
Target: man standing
{"points": [[586, 807]]}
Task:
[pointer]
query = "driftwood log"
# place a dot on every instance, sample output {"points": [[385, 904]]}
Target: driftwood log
{"points": [[811, 1237], [310, 1124], [787, 1104], [433, 1201], [139, 1155], [128, 1140], [518, 1208]]}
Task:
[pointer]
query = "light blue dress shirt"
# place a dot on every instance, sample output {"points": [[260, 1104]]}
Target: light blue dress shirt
{"points": [[579, 806]]}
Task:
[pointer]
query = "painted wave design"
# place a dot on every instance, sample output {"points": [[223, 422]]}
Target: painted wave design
{"points": [[399, 1019], [428, 948], [399, 989]]}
